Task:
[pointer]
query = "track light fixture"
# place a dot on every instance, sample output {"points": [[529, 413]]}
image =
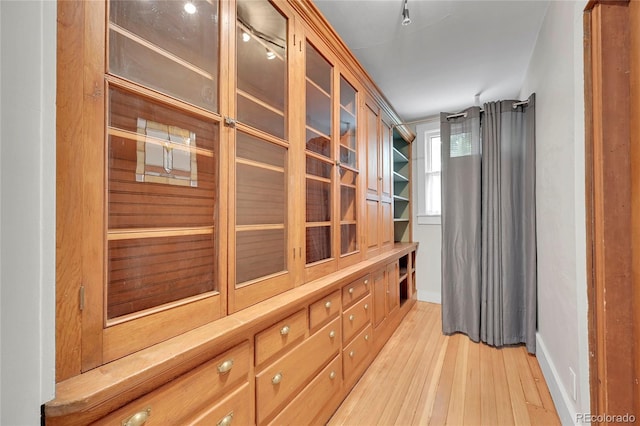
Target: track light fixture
{"points": [[405, 15]]}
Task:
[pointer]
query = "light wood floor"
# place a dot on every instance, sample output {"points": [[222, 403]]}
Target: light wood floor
{"points": [[424, 378]]}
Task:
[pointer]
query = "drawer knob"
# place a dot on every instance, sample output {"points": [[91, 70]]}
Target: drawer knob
{"points": [[366, 306], [138, 419], [225, 367], [366, 337], [285, 330], [352, 353], [352, 317], [332, 375], [351, 290], [226, 420], [277, 379], [332, 334], [328, 304], [366, 282]]}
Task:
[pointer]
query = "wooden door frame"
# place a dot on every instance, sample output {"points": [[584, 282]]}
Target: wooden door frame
{"points": [[613, 241]]}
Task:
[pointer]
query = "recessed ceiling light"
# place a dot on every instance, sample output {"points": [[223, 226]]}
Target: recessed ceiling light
{"points": [[245, 36], [270, 55]]}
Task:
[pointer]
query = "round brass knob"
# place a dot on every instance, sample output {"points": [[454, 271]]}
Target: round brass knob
{"points": [[328, 304], [285, 330], [225, 367]]}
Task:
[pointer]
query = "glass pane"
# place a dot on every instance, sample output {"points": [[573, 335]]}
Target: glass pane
{"points": [[318, 144], [161, 165], [261, 56], [167, 46], [347, 129], [318, 201], [259, 253], [148, 272], [318, 110], [435, 154], [347, 96], [261, 207], [260, 196], [348, 177], [318, 167], [318, 69], [348, 203], [318, 99], [348, 157], [318, 243], [348, 238]]}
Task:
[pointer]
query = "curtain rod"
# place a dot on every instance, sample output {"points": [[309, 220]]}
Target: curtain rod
{"points": [[464, 114]]}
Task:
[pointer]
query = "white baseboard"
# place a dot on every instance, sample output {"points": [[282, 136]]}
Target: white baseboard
{"points": [[430, 296], [563, 402]]}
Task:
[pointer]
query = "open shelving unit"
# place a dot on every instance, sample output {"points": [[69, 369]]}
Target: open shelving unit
{"points": [[401, 189]]}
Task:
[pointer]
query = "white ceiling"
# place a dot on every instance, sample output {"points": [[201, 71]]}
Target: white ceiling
{"points": [[451, 51]]}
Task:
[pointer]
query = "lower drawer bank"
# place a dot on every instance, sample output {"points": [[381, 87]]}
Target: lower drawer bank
{"points": [[224, 372]]}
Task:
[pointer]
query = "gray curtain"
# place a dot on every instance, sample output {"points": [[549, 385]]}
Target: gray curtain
{"points": [[489, 238]]}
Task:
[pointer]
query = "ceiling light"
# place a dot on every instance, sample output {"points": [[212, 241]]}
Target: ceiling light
{"points": [[270, 55], [405, 15], [245, 36], [190, 8]]}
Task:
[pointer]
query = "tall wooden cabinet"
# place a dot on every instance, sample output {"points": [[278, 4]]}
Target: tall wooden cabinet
{"points": [[215, 155]]}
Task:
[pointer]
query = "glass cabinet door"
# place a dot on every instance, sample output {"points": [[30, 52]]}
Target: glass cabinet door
{"points": [[320, 158], [260, 207], [162, 140], [349, 170]]}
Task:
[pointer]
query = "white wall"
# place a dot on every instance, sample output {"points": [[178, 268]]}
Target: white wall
{"points": [[27, 210], [428, 235], [555, 73]]}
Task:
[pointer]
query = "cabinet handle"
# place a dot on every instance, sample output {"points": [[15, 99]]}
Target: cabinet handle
{"points": [[277, 379], [352, 317], [226, 420], [138, 419], [366, 282], [366, 306], [351, 290], [328, 304], [225, 367], [366, 337], [352, 353], [332, 334], [332, 375], [285, 330]]}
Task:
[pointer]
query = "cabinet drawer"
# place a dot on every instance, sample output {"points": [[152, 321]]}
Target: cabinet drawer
{"points": [[280, 336], [277, 383], [356, 352], [235, 409], [354, 291], [190, 393], [324, 309], [355, 318], [308, 404]]}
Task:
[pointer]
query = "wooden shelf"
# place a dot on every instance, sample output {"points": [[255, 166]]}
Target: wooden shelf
{"points": [[399, 157], [401, 219], [399, 198], [397, 177]]}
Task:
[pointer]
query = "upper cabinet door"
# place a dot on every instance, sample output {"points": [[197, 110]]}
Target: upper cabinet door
{"points": [[158, 238], [321, 156], [349, 170], [372, 152], [260, 213]]}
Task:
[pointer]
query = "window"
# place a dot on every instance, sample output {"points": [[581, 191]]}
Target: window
{"points": [[428, 159], [432, 174]]}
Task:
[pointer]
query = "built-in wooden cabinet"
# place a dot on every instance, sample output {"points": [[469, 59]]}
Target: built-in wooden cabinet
{"points": [[218, 157]]}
